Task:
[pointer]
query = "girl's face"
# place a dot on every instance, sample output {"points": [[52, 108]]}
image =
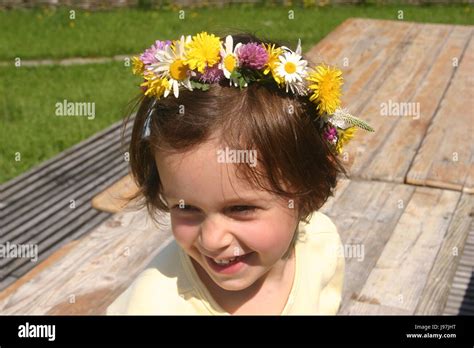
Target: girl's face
{"points": [[216, 216]]}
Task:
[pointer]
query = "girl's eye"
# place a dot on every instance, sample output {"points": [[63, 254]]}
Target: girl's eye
{"points": [[237, 209], [243, 209]]}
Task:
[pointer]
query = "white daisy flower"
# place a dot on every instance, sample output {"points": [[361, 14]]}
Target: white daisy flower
{"points": [[292, 68], [171, 65], [230, 60]]}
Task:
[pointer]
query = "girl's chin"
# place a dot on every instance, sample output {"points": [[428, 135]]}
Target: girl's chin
{"points": [[234, 284]]}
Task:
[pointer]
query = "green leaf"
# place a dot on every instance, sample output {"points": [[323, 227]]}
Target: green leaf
{"points": [[242, 82], [199, 85], [235, 74]]}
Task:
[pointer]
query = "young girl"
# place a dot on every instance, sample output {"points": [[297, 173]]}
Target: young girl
{"points": [[237, 139]]}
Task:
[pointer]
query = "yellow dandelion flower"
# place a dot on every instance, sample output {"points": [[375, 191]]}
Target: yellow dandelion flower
{"points": [[202, 51], [326, 88], [154, 85], [344, 137], [273, 62], [137, 66]]}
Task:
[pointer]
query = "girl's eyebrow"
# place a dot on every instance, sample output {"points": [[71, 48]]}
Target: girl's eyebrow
{"points": [[237, 200], [241, 200]]}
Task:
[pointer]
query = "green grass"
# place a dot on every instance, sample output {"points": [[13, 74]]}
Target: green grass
{"points": [[47, 33], [28, 95], [28, 98]]}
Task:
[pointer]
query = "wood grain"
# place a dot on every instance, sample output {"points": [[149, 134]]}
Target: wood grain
{"points": [[401, 76], [368, 308], [402, 270], [115, 197], [445, 158], [435, 294], [94, 272], [427, 87], [366, 213]]}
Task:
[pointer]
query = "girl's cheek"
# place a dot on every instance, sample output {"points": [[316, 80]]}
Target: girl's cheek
{"points": [[183, 232], [262, 236], [266, 242]]}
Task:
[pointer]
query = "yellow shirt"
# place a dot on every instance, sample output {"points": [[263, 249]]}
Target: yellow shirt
{"points": [[171, 286]]}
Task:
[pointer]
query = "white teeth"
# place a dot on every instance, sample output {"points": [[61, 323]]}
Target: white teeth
{"points": [[224, 262]]}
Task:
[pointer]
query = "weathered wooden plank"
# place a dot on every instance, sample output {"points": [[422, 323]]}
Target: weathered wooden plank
{"points": [[68, 173], [363, 65], [341, 186], [365, 214], [367, 308], [114, 198], [461, 293], [7, 281], [54, 257], [369, 70], [47, 213], [340, 41], [54, 192], [465, 268], [456, 298], [109, 167], [469, 184], [49, 218], [460, 306], [369, 73], [36, 211], [401, 76], [357, 43], [368, 64], [401, 272], [60, 196], [401, 144], [95, 270], [78, 228], [52, 235], [435, 293], [445, 157]]}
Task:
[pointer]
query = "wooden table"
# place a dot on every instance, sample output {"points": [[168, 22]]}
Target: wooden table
{"points": [[431, 65], [408, 201]]}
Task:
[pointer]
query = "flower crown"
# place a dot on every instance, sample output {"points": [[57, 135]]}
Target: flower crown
{"points": [[199, 61]]}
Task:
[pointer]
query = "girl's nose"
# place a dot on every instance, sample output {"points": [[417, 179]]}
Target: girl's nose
{"points": [[215, 234]]}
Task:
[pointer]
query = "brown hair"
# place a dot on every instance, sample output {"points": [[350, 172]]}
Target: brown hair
{"points": [[294, 161]]}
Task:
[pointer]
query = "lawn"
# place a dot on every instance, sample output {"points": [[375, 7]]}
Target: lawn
{"points": [[28, 104], [28, 95], [44, 33]]}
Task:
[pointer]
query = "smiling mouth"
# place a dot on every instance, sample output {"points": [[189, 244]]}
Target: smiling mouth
{"points": [[229, 265], [224, 262]]}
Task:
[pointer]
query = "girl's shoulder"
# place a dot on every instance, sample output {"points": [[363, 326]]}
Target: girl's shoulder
{"points": [[319, 223], [320, 245], [157, 289]]}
